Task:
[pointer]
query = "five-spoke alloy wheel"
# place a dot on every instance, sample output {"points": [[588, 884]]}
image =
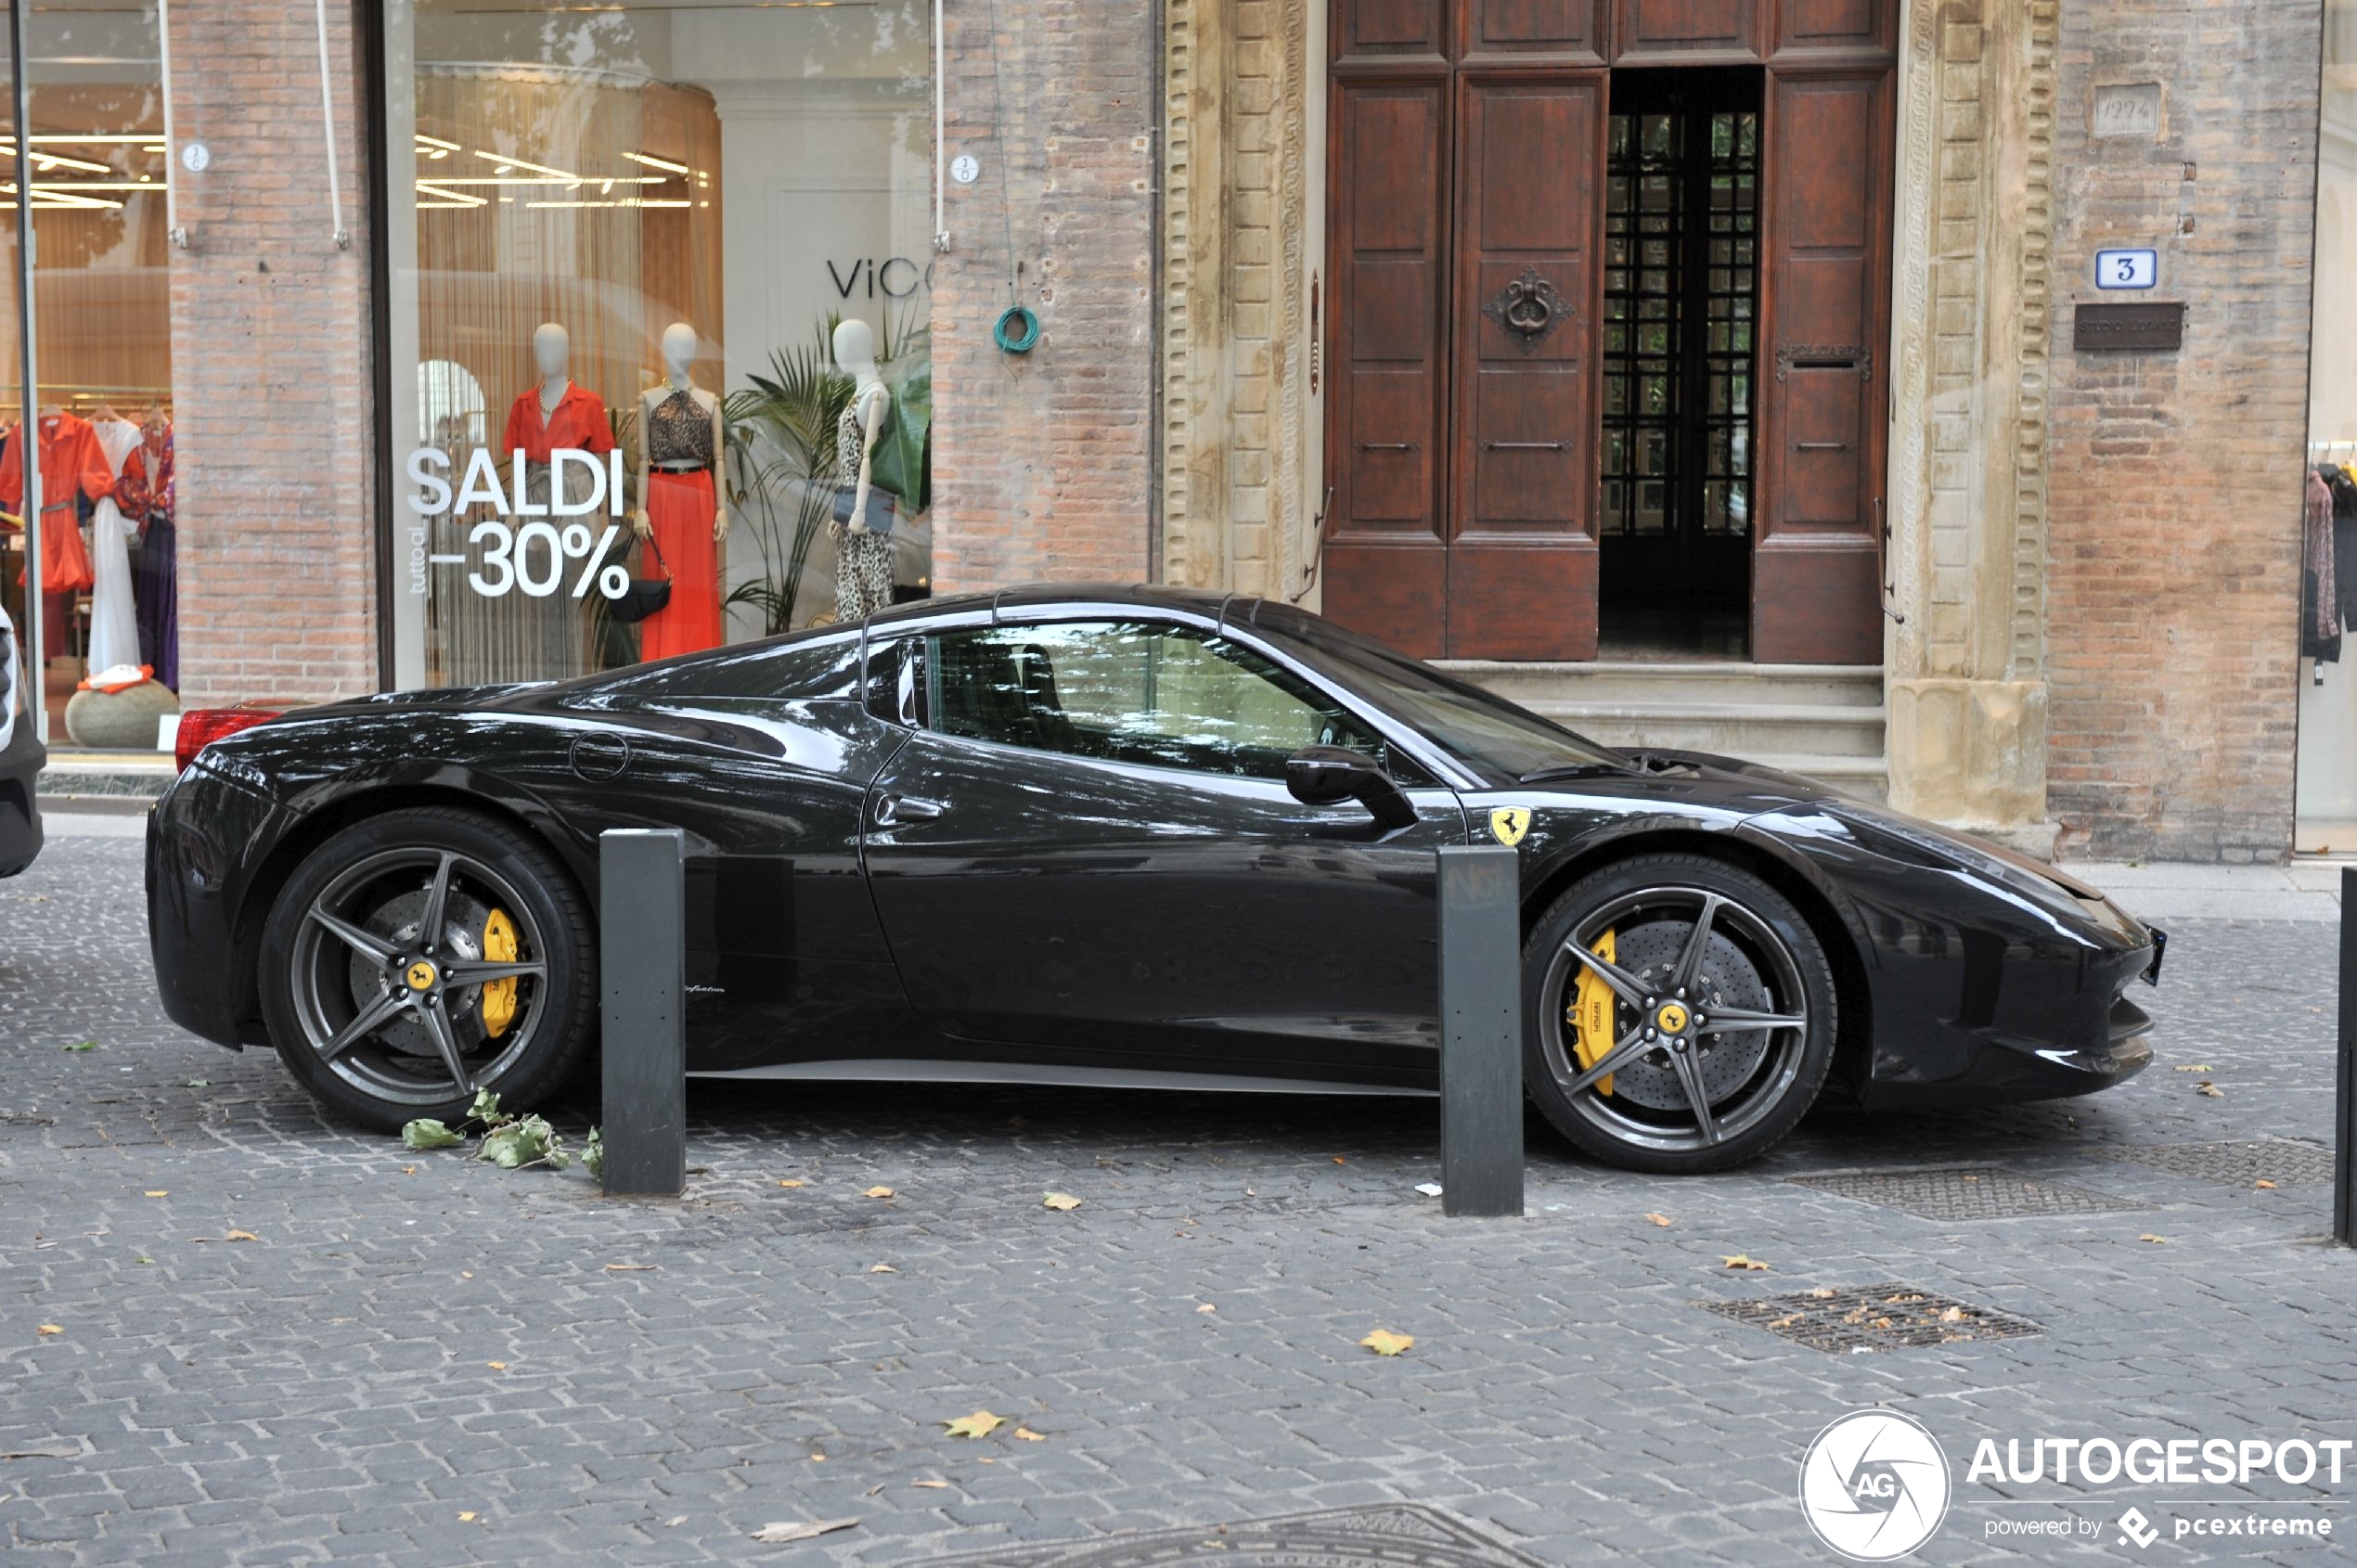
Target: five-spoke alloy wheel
{"points": [[1680, 1014], [420, 957]]}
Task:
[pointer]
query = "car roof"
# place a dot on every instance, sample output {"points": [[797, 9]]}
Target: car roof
{"points": [[1037, 596]]}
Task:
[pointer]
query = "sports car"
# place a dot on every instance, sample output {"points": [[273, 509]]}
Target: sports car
{"points": [[1107, 836]]}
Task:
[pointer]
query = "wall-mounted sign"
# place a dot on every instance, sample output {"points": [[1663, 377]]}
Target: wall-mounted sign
{"points": [[2141, 325], [572, 553], [2130, 110], [965, 168], [196, 158], [2127, 269]]}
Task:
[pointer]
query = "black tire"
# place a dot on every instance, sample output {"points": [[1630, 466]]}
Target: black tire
{"points": [[1760, 960], [376, 881]]}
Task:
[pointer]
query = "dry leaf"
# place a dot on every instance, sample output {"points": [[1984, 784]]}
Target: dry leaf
{"points": [[466, 1519], [1824, 1292], [932, 1485], [883, 1268], [982, 1423], [880, 1192], [631, 1267], [2155, 1240], [1206, 1307], [1951, 1315], [409, 1170], [496, 1365], [788, 1182], [2212, 1090], [781, 1533], [1661, 1220], [1030, 1437], [2192, 1067], [161, 1192], [47, 1329], [1742, 1260], [1340, 1161], [1785, 1322], [241, 1236], [1383, 1342], [1063, 1202], [2268, 1185]]}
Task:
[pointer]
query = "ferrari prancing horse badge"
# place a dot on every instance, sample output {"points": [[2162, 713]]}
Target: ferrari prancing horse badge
{"points": [[1510, 823]]}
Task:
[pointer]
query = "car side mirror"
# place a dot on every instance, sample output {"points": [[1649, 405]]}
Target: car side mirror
{"points": [[1330, 775]]}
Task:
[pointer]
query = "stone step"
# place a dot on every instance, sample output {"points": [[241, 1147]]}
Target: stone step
{"points": [[1738, 729], [1868, 777], [1527, 682]]}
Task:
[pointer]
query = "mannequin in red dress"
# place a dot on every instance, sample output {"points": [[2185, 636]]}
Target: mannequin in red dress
{"points": [[72, 461], [679, 507]]}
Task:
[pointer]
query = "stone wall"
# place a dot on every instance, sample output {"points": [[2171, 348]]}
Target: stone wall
{"points": [[272, 380], [2172, 581], [1043, 462]]}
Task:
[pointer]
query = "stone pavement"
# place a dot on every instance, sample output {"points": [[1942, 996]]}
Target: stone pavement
{"points": [[420, 1359]]}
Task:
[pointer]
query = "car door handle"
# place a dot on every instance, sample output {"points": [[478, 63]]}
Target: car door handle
{"points": [[893, 809]]}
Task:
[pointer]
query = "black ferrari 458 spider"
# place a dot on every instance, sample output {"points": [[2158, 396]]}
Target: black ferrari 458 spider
{"points": [[1107, 836]]}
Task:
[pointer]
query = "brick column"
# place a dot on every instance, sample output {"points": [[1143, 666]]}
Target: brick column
{"points": [[271, 370], [1043, 462]]}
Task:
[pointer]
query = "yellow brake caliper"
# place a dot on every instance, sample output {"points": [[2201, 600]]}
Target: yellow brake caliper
{"points": [[499, 996], [1591, 1013]]}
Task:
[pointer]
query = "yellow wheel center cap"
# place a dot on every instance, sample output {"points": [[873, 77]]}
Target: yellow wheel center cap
{"points": [[421, 976], [1671, 1019]]}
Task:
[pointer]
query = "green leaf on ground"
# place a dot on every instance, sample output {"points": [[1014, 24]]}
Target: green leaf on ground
{"points": [[84, 1046], [427, 1132], [593, 1154], [487, 1109], [531, 1141]]}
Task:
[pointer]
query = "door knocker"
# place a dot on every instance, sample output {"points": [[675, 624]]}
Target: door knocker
{"points": [[1530, 307]]}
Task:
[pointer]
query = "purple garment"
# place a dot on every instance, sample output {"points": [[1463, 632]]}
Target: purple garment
{"points": [[155, 590]]}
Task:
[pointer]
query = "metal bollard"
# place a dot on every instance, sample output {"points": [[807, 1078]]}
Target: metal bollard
{"points": [[642, 911], [1481, 1164], [2345, 1096]]}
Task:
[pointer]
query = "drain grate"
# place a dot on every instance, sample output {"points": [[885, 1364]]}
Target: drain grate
{"points": [[1876, 1317], [2286, 1161], [1966, 1193], [1386, 1535]]}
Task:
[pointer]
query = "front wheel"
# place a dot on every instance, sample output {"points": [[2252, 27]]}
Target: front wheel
{"points": [[420, 957], [1681, 1014]]}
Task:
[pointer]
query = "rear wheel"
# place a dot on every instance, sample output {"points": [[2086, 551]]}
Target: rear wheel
{"points": [[1681, 1014], [421, 955]]}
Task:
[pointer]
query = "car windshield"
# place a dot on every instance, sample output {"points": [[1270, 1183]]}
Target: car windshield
{"points": [[1483, 728]]}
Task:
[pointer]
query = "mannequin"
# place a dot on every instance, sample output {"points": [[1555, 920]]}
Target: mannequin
{"points": [[863, 555], [518, 637], [72, 465], [114, 625], [679, 512], [149, 494]]}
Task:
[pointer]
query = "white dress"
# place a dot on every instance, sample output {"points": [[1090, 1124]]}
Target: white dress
{"points": [[114, 621]]}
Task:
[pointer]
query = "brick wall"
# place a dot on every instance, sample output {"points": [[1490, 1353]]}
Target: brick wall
{"points": [[271, 372], [1042, 462], [2173, 582]]}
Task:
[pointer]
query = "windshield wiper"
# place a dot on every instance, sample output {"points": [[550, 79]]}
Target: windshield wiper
{"points": [[1566, 771]]}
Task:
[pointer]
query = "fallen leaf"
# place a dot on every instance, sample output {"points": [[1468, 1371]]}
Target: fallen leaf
{"points": [[84, 1046], [1030, 1437], [779, 1534], [631, 1267], [1383, 1342], [880, 1192], [1063, 1202], [496, 1365], [2212, 1090], [789, 1184], [675, 1521], [466, 1519], [1206, 1307], [241, 1236], [2192, 1067], [47, 1329], [1340, 1161], [883, 1269], [428, 1133], [1785, 1322], [932, 1485], [1661, 1220], [409, 1170], [2155, 1240], [2268, 1185], [197, 1083], [982, 1423], [818, 1458], [1824, 1292], [161, 1192], [1742, 1260], [1951, 1315]]}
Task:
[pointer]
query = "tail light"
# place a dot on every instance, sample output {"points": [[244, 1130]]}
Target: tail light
{"points": [[200, 727]]}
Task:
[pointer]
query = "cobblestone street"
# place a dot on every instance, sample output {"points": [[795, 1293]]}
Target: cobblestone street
{"points": [[420, 1358]]}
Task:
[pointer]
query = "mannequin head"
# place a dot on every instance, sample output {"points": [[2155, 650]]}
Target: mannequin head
{"points": [[856, 349], [679, 346], [552, 349]]}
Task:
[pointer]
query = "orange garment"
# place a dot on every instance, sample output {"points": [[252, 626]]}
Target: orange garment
{"points": [[578, 425], [680, 509], [71, 460]]}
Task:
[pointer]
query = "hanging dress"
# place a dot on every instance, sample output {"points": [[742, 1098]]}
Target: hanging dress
{"points": [[863, 561], [148, 495], [681, 505], [71, 466], [114, 620]]}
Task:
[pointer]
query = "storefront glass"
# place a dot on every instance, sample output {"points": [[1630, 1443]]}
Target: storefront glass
{"points": [[2328, 792], [103, 341], [658, 279]]}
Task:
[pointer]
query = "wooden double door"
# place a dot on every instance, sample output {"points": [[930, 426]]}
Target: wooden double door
{"points": [[1468, 255]]}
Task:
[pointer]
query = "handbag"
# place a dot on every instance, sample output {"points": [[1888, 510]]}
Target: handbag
{"points": [[645, 596], [880, 508]]}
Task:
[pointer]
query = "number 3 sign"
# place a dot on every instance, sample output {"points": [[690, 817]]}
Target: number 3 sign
{"points": [[2127, 269]]}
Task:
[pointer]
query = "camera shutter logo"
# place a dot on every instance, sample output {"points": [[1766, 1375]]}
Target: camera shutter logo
{"points": [[1874, 1485]]}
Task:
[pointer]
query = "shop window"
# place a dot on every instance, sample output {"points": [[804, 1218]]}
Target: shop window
{"points": [[659, 273]]}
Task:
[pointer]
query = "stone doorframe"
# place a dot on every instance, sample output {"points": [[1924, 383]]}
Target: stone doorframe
{"points": [[1965, 653]]}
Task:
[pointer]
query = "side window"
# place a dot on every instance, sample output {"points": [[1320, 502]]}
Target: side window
{"points": [[1132, 692]]}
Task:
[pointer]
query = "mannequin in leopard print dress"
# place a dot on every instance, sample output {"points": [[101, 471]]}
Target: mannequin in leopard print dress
{"points": [[863, 558]]}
